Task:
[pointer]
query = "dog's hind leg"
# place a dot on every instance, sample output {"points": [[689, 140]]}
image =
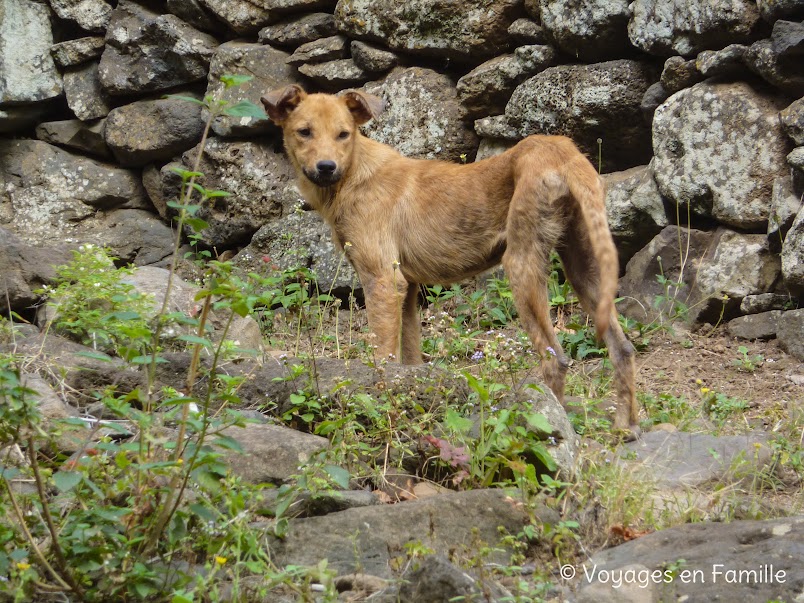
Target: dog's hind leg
{"points": [[411, 327], [385, 300], [583, 273], [533, 229]]}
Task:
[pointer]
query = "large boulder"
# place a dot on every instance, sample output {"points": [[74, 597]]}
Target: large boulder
{"points": [[85, 96], [470, 33], [146, 51], [711, 561], [242, 16], [697, 275], [90, 15], [25, 268], [422, 117], [634, 209], [27, 71], [75, 134], [591, 30], [300, 239], [686, 28], [268, 68], [146, 131], [261, 182], [589, 103], [718, 148], [57, 195], [486, 89], [793, 255]]}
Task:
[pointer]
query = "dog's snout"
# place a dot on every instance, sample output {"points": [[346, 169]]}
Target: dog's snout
{"points": [[326, 167]]}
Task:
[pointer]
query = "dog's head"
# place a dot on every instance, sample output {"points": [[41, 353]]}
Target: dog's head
{"points": [[320, 129]]}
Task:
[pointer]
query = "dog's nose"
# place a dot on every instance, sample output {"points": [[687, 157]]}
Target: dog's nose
{"points": [[326, 167]]}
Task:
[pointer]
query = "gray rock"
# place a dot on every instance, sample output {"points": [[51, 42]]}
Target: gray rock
{"points": [[634, 209], [75, 52], [738, 265], [764, 302], [162, 185], [527, 31], [793, 121], [679, 73], [318, 51], [590, 30], [497, 127], [772, 10], [55, 194], [587, 103], [785, 205], [793, 255], [727, 62], [146, 51], [680, 459], [783, 73], [654, 96], [194, 13], [365, 539], [268, 69], [791, 333], [718, 148], [299, 30], [260, 180], [75, 134], [152, 281], [796, 159], [242, 16], [431, 28], [27, 71], [335, 75], [422, 116], [310, 247], [762, 325], [313, 504], [91, 15], [667, 28], [644, 297], [25, 268], [487, 88], [787, 39], [489, 147], [436, 580], [85, 95], [372, 58], [147, 131], [714, 562], [271, 453]]}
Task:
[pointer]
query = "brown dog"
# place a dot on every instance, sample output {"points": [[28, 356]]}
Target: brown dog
{"points": [[406, 222]]}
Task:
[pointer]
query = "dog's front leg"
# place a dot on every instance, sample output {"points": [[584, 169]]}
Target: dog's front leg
{"points": [[385, 298]]}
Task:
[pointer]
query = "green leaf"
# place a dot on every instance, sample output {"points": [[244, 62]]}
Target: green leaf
{"points": [[197, 224], [66, 480], [185, 173], [122, 315], [539, 422], [196, 340], [182, 597], [228, 443], [203, 512], [146, 359], [339, 475], [235, 79], [245, 109], [457, 423], [214, 194]]}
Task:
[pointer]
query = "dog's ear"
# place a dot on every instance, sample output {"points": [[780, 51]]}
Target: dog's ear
{"points": [[279, 103], [363, 106]]}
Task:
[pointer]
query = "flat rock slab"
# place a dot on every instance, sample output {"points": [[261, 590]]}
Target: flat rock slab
{"points": [[367, 539], [682, 459], [738, 561]]}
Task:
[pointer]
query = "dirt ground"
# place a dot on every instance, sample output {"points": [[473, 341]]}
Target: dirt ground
{"points": [[682, 363]]}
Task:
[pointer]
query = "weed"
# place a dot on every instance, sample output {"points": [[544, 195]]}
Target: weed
{"points": [[747, 363]]}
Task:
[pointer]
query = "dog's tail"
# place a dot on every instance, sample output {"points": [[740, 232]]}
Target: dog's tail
{"points": [[588, 190]]}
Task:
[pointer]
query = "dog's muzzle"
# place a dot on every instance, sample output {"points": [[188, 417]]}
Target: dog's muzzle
{"points": [[326, 173]]}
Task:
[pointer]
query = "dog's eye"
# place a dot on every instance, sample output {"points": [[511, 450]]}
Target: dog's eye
{"points": [[343, 135], [304, 132]]}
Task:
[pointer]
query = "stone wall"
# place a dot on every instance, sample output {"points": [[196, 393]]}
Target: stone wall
{"points": [[693, 110]]}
